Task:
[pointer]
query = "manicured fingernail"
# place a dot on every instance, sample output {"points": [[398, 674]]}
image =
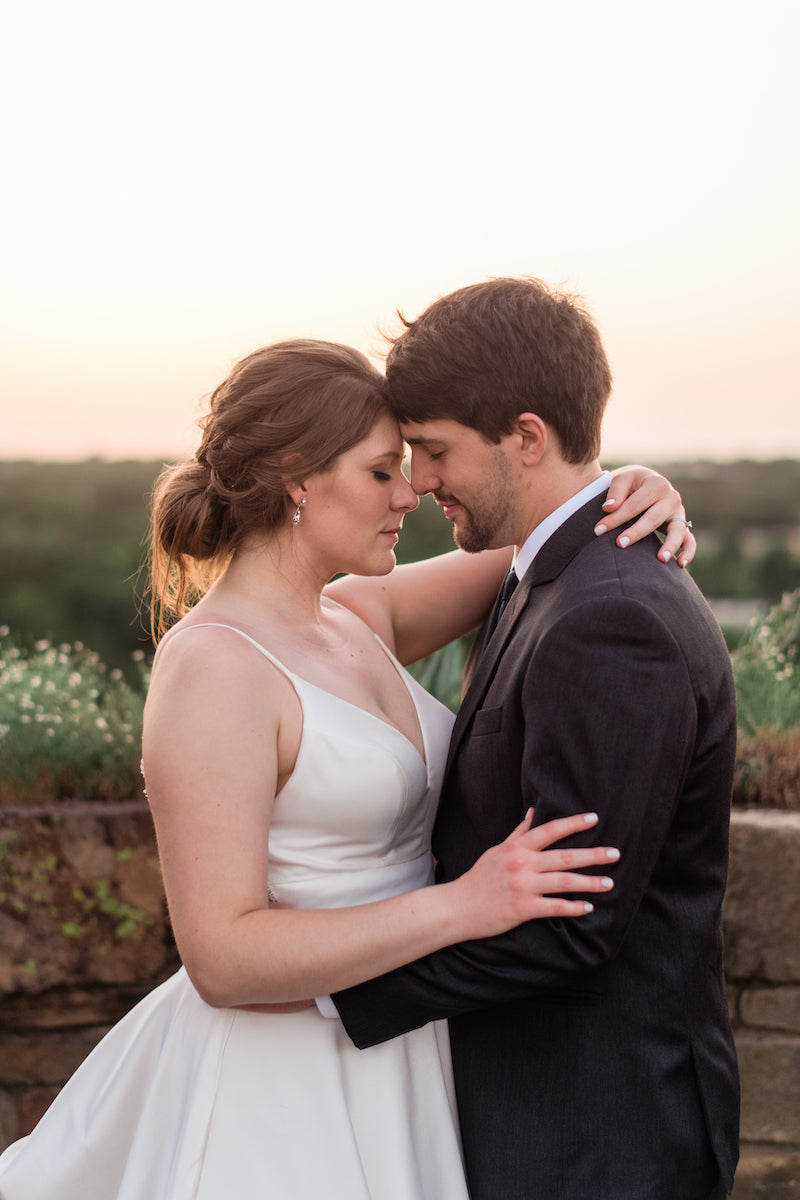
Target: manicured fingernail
{"points": [[612, 854], [623, 542], [528, 813], [587, 908], [606, 882], [609, 503], [600, 530], [590, 818], [664, 555]]}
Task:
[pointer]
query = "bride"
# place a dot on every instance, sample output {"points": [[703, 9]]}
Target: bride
{"points": [[288, 755]]}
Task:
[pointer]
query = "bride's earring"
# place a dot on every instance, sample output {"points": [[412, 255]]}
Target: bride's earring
{"points": [[297, 511]]}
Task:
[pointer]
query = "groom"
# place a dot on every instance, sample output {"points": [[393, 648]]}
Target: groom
{"points": [[593, 1058]]}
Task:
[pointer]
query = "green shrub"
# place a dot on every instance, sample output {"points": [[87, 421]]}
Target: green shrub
{"points": [[767, 670], [68, 726]]}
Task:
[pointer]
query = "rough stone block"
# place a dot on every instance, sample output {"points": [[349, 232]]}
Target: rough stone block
{"points": [[771, 1008], [81, 900], [33, 1104], [83, 845], [46, 1059], [762, 904], [140, 883], [769, 1064], [767, 1176], [64, 1008], [8, 1119]]}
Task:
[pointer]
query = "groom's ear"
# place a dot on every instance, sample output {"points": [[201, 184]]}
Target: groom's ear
{"points": [[533, 435]]}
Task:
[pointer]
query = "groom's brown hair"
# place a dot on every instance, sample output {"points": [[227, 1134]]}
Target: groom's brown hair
{"points": [[488, 352]]}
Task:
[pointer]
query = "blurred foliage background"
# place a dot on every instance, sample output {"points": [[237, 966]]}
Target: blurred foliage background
{"points": [[73, 543], [75, 646]]}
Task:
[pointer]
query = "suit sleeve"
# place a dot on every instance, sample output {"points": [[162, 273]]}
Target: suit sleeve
{"points": [[609, 726]]}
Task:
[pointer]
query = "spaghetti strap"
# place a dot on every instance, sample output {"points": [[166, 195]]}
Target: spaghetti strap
{"points": [[290, 675]]}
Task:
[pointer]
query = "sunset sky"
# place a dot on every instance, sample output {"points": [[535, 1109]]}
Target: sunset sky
{"points": [[187, 181]]}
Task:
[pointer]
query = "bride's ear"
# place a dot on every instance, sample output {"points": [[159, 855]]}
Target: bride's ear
{"points": [[295, 487], [296, 493]]}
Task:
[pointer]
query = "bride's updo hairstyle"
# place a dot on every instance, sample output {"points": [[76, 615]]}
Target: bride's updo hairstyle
{"points": [[284, 412]]}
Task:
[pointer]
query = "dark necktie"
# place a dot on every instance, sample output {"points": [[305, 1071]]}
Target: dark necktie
{"points": [[506, 592], [489, 625]]}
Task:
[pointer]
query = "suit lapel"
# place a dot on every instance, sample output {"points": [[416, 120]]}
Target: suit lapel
{"points": [[556, 554]]}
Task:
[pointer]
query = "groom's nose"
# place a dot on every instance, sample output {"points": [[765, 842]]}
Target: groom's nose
{"points": [[423, 477]]}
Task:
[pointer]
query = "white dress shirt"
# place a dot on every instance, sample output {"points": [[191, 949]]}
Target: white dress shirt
{"points": [[527, 552]]}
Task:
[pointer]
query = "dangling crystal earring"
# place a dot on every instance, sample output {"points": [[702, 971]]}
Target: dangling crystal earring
{"points": [[296, 517]]}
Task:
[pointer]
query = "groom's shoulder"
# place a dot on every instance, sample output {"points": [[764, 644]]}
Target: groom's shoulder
{"points": [[633, 576]]}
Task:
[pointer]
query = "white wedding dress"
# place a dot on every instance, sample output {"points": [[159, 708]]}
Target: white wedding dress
{"points": [[181, 1101]]}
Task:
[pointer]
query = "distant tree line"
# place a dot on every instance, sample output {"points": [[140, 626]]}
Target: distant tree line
{"points": [[73, 540]]}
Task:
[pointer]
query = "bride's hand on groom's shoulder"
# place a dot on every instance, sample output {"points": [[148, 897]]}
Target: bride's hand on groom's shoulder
{"points": [[637, 491]]}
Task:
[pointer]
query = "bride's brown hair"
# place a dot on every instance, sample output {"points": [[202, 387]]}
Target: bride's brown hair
{"points": [[284, 412]]}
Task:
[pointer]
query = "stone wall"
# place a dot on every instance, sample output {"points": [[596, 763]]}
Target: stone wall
{"points": [[83, 934], [762, 966]]}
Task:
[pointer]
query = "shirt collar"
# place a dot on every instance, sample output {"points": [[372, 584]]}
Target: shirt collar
{"points": [[534, 542]]}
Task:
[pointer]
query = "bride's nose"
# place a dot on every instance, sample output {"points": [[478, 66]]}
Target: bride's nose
{"points": [[405, 498]]}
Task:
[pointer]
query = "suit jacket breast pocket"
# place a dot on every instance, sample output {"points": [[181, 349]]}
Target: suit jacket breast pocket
{"points": [[487, 720], [486, 776]]}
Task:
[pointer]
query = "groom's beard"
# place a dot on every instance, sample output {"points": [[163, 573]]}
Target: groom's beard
{"points": [[486, 516], [478, 527]]}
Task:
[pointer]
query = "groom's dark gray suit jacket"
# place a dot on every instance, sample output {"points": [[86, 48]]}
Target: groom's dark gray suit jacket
{"points": [[593, 1056]]}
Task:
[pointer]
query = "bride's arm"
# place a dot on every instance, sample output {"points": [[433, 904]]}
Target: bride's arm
{"points": [[221, 731], [424, 605]]}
